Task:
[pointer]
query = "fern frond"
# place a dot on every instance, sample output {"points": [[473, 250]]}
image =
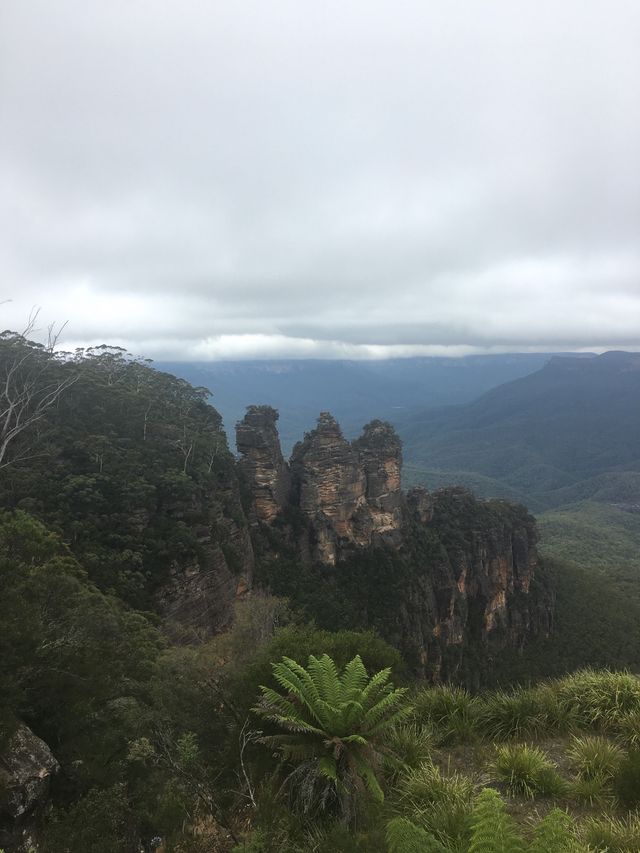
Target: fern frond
{"points": [[405, 837], [492, 829]]}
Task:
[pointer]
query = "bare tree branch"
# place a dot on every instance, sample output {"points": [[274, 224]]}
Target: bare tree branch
{"points": [[32, 380]]}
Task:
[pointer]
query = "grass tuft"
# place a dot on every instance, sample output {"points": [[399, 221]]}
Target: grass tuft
{"points": [[439, 802], [451, 712], [594, 757], [613, 835], [527, 772], [599, 699]]}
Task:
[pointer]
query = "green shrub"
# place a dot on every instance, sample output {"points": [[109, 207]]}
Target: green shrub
{"points": [[594, 757], [527, 772], [628, 729], [450, 711], [411, 743], [613, 835], [599, 699], [439, 802], [512, 714], [405, 837], [626, 781], [593, 791]]}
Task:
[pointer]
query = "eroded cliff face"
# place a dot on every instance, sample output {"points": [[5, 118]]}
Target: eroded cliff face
{"points": [[348, 493], [261, 462], [490, 591], [438, 575]]}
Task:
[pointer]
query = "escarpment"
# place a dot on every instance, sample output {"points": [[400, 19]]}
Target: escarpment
{"points": [[445, 577]]}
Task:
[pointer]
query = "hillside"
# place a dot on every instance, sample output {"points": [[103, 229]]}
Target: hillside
{"points": [[563, 434], [354, 391], [138, 565]]}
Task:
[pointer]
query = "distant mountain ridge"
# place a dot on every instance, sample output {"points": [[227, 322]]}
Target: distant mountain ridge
{"points": [[567, 432], [354, 391]]}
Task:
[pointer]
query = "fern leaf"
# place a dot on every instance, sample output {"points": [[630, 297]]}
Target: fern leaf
{"points": [[405, 837]]}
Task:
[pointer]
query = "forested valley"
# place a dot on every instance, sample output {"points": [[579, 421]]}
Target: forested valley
{"points": [[180, 674]]}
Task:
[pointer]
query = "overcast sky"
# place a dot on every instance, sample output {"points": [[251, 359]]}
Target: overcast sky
{"points": [[322, 179]]}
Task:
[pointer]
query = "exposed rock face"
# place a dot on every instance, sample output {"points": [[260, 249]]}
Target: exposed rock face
{"points": [[262, 463], [26, 767], [484, 592], [380, 453], [349, 494], [330, 488], [454, 574], [420, 504]]}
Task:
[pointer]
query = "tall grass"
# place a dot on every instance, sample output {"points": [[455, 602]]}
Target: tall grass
{"points": [[451, 712], [514, 714], [599, 699], [593, 756], [439, 802], [613, 835], [527, 772]]}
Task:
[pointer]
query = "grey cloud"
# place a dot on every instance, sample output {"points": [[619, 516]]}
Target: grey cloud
{"points": [[332, 179]]}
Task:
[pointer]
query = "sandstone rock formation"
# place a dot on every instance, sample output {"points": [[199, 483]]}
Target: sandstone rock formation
{"points": [[329, 487], [261, 462], [454, 574], [349, 493]]}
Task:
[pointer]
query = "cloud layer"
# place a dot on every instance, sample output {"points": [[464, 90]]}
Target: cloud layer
{"points": [[238, 179]]}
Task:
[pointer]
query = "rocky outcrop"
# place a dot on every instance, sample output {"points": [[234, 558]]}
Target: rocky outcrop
{"points": [[490, 593], [380, 453], [329, 487], [26, 768], [348, 493], [438, 575], [261, 462], [420, 505]]}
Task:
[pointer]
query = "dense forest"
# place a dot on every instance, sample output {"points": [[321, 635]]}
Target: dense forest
{"points": [[284, 720]]}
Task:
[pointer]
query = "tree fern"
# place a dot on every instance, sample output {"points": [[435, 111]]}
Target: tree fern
{"points": [[492, 829], [334, 723]]}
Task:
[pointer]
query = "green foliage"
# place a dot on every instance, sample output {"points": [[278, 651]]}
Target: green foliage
{"points": [[492, 829], [600, 699], [613, 835], [411, 742], [628, 728], [439, 802], [451, 712], [54, 629], [335, 724], [593, 791], [405, 837], [594, 757], [556, 833], [133, 463], [513, 714], [102, 822], [595, 625], [602, 537], [526, 771], [626, 781]]}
